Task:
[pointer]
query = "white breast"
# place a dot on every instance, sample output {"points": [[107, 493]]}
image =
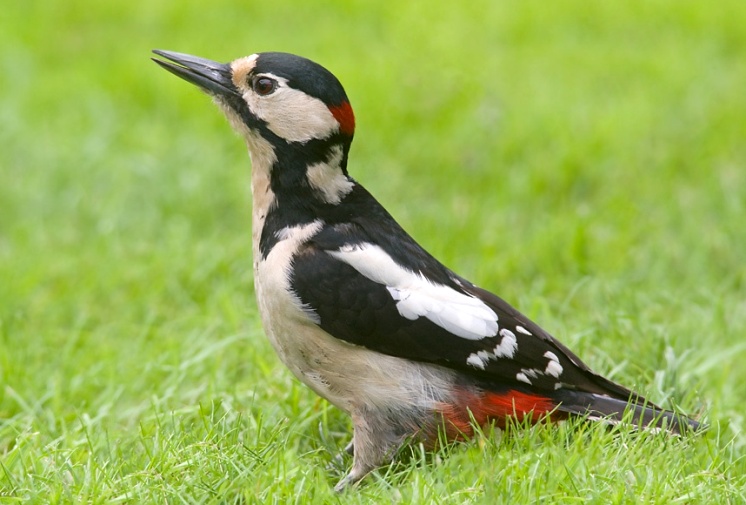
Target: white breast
{"points": [[347, 375], [281, 310]]}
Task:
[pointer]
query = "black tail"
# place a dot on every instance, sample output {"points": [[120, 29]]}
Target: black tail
{"points": [[642, 413]]}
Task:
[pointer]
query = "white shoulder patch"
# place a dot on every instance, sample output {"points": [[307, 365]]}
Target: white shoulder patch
{"points": [[460, 314]]}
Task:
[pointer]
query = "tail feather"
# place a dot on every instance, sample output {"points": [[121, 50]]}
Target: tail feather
{"points": [[613, 410]]}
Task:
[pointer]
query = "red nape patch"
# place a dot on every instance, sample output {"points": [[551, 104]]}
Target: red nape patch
{"points": [[346, 118], [497, 407]]}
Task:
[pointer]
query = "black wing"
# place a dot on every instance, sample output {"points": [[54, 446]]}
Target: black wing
{"points": [[345, 275]]}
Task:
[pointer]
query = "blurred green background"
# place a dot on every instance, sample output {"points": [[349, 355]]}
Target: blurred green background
{"points": [[587, 161]]}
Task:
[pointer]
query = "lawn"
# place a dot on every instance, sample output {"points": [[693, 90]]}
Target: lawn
{"points": [[586, 161]]}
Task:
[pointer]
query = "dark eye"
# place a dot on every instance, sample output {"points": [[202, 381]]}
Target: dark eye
{"points": [[264, 86]]}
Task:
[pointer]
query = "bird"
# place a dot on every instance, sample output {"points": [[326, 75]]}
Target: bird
{"points": [[358, 310]]}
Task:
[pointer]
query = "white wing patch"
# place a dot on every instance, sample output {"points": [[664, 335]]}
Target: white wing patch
{"points": [[508, 344], [460, 314], [553, 367], [475, 361], [522, 377], [521, 329], [505, 349]]}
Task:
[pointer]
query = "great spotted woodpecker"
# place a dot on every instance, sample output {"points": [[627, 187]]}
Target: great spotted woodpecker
{"points": [[356, 309]]}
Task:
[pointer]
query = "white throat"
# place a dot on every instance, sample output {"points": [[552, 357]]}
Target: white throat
{"points": [[263, 198]]}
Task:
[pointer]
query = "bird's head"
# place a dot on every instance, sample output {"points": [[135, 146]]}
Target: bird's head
{"points": [[293, 112]]}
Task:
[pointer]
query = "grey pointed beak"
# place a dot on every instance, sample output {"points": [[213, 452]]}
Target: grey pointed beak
{"points": [[211, 76]]}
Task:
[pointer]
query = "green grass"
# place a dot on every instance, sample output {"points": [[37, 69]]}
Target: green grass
{"points": [[587, 161]]}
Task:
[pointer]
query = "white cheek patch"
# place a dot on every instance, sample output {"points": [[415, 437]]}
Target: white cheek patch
{"points": [[460, 314], [292, 114]]}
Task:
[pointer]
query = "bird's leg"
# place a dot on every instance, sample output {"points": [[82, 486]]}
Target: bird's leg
{"points": [[338, 460], [375, 442]]}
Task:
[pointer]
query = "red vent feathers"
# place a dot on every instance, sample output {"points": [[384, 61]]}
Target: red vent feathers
{"points": [[496, 407]]}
